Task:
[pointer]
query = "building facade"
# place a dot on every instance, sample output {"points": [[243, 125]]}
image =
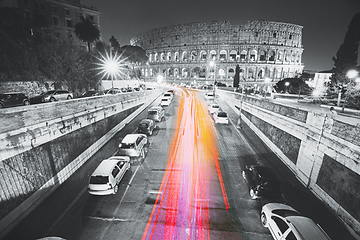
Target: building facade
{"points": [[204, 52], [60, 16]]}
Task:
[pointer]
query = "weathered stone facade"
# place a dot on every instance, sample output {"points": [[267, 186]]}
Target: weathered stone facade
{"points": [[203, 52]]}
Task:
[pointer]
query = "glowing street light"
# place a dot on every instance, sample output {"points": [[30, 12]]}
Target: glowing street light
{"points": [[287, 85], [111, 66], [212, 65]]}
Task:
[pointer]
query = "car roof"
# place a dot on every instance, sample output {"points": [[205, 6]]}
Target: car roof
{"points": [[131, 138], [104, 167], [307, 228], [146, 120], [155, 108], [120, 158]]}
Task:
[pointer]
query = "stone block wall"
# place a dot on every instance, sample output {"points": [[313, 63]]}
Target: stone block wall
{"points": [[37, 158], [322, 151]]}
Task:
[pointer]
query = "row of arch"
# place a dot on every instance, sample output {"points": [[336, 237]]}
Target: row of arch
{"points": [[247, 73], [249, 55]]}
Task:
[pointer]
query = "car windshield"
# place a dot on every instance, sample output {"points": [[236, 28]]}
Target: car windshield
{"points": [[99, 179], [285, 212], [152, 112], [215, 106], [222, 114], [127, 145]]}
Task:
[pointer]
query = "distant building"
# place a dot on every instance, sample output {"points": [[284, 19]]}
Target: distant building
{"points": [[60, 16], [321, 79], [203, 52]]}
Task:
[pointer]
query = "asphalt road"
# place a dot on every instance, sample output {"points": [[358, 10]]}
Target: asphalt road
{"points": [[189, 186]]}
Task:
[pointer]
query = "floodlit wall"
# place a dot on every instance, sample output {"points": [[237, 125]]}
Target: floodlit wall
{"points": [[321, 150]]}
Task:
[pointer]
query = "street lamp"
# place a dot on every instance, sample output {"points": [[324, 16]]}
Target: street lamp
{"points": [[212, 65], [287, 85], [110, 66]]}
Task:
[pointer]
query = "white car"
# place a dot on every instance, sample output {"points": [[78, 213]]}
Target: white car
{"points": [[165, 101], [213, 107], [284, 222], [168, 95], [209, 96], [133, 145], [107, 176], [221, 117]]}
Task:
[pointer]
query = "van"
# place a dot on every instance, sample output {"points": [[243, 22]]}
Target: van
{"points": [[107, 176], [133, 145]]}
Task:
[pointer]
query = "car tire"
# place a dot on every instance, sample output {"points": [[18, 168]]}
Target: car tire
{"points": [[1, 106], [26, 102], [263, 219], [69, 97], [116, 188], [52, 99]]}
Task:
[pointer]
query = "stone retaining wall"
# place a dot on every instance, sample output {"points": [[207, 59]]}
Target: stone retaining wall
{"points": [[37, 158], [321, 150]]}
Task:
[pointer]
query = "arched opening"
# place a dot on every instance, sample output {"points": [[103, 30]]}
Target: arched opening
{"points": [[162, 57], [233, 54], [221, 73], [262, 55], [184, 56], [176, 56], [156, 57], [168, 56], [193, 55], [231, 73], [202, 73], [184, 72], [203, 55], [272, 55], [223, 55], [251, 74], [213, 55], [243, 55], [195, 72], [253, 55]]}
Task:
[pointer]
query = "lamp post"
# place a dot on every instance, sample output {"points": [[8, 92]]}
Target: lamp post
{"points": [[212, 65], [287, 85]]}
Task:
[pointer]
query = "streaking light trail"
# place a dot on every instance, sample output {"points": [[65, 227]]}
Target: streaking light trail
{"points": [[192, 180]]}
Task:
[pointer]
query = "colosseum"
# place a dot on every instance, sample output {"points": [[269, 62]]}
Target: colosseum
{"points": [[265, 52]]}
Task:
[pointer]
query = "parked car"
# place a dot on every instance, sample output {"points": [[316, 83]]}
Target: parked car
{"points": [[168, 95], [165, 101], [146, 126], [213, 107], [262, 182], [209, 96], [156, 113], [221, 117], [133, 145], [91, 93], [112, 91], [13, 99], [52, 96], [106, 177], [284, 222]]}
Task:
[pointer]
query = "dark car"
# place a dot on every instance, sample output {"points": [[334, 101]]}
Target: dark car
{"points": [[91, 93], [13, 99], [262, 182], [146, 126], [52, 96]]}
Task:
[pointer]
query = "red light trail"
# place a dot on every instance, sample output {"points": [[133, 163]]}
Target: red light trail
{"points": [[192, 178]]}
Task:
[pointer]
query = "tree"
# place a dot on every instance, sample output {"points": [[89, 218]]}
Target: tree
{"points": [[114, 44], [346, 57], [133, 54], [86, 31], [237, 76]]}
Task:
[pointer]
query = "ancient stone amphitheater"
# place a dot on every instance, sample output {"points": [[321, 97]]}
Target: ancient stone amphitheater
{"points": [[202, 52]]}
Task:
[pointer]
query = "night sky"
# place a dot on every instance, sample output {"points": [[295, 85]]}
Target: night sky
{"points": [[325, 22]]}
